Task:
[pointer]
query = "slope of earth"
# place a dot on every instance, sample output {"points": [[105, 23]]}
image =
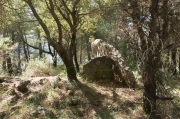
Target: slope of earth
{"points": [[55, 97]]}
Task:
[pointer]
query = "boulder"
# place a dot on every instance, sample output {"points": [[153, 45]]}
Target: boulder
{"points": [[99, 68], [105, 68], [108, 64]]}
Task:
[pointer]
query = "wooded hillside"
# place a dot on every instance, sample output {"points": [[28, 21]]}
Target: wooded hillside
{"points": [[55, 38]]}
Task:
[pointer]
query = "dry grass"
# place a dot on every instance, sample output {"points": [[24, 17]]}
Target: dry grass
{"points": [[39, 68], [78, 100]]}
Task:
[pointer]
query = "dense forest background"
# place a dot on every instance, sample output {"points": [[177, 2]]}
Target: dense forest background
{"points": [[51, 37]]}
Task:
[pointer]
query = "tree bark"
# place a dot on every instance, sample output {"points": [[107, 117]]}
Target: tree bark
{"points": [[55, 59], [80, 55], [40, 51], [179, 61], [151, 60], [19, 57], [40, 44], [68, 62], [88, 49], [9, 65], [25, 50], [4, 61], [75, 59], [173, 57], [149, 79], [151, 64]]}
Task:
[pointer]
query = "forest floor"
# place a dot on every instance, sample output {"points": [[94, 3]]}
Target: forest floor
{"points": [[54, 97]]}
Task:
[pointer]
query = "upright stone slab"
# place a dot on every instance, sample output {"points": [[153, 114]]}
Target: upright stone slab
{"points": [[99, 69]]}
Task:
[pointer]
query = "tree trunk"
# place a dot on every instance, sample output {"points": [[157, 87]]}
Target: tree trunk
{"points": [[179, 61], [80, 56], [149, 79], [55, 59], [25, 52], [65, 54], [173, 56], [75, 59], [40, 44], [4, 61], [88, 49], [13, 36], [40, 51], [9, 65], [19, 57], [71, 72], [4, 65]]}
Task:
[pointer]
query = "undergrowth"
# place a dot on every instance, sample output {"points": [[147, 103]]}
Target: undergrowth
{"points": [[37, 68]]}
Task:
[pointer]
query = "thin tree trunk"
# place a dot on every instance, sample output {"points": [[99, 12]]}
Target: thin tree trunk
{"points": [[179, 61], [168, 63], [28, 52], [55, 59], [88, 49], [40, 44], [25, 52], [13, 36], [173, 56], [19, 57], [4, 61], [4, 65], [9, 65], [75, 59], [80, 56], [26, 47], [40, 50]]}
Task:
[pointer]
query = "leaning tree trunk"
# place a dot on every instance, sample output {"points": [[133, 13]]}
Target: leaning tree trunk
{"points": [[65, 54]]}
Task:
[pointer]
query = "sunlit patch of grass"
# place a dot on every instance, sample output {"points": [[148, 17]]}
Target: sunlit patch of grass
{"points": [[37, 68]]}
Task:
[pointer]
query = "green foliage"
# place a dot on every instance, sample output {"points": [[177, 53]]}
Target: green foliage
{"points": [[6, 46], [5, 43]]}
